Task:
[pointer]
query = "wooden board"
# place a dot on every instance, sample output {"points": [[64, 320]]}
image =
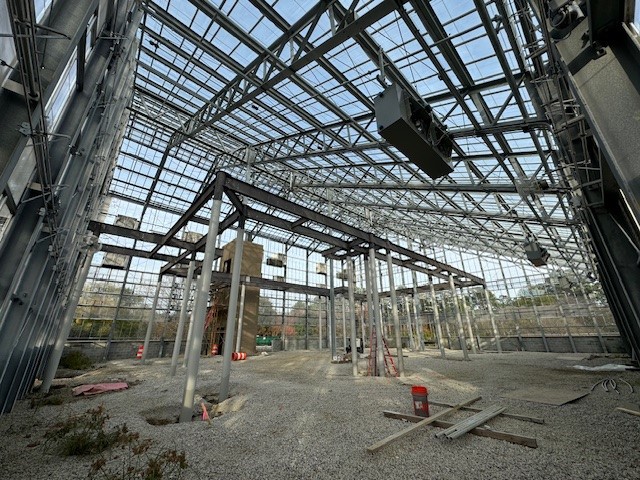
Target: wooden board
{"points": [[625, 410], [524, 418], [425, 421], [472, 422], [548, 396], [479, 431]]}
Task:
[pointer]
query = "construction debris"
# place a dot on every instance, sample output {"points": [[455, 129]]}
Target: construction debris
{"points": [[524, 418], [479, 431], [425, 421], [609, 384], [472, 422], [625, 410], [95, 389]]}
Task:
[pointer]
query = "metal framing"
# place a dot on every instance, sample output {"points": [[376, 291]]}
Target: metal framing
{"points": [[282, 97]]}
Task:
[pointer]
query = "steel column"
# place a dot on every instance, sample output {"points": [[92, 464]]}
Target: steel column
{"points": [[67, 322], [183, 316], [231, 313], [200, 310], [461, 338]]}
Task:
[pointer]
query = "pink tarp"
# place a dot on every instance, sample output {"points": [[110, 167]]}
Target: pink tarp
{"points": [[96, 388]]}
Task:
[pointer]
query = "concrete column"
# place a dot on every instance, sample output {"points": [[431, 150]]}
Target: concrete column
{"points": [[67, 322], [154, 308], [231, 314], [394, 314], [240, 317], [183, 316], [461, 338], [352, 317], [375, 304], [463, 302], [436, 317], [199, 312]]}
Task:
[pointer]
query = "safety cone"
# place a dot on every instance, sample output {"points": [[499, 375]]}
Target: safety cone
{"points": [[205, 414], [140, 350]]}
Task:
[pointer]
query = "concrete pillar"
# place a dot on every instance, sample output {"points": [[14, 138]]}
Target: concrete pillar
{"points": [[352, 317], [154, 308], [394, 314], [461, 338], [67, 322], [436, 317], [200, 312], [231, 314], [183, 316]]}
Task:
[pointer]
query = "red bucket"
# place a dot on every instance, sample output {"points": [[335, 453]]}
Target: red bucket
{"points": [[420, 400]]}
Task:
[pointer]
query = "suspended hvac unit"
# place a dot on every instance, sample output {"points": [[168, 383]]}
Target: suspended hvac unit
{"points": [[535, 253], [411, 127], [342, 275], [321, 268], [277, 260]]}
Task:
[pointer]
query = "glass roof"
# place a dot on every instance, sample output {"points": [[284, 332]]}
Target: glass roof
{"points": [[292, 82]]}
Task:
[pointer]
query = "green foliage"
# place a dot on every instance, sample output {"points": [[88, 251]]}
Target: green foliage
{"points": [[140, 461], [76, 360], [84, 434]]}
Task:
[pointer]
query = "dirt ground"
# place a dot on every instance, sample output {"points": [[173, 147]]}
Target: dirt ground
{"points": [[297, 415]]}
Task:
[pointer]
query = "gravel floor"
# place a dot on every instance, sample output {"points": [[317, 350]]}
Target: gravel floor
{"points": [[296, 415]]}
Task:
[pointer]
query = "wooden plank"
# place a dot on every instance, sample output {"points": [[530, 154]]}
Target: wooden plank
{"points": [[472, 422], [621, 409], [524, 418], [425, 421], [479, 431]]}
